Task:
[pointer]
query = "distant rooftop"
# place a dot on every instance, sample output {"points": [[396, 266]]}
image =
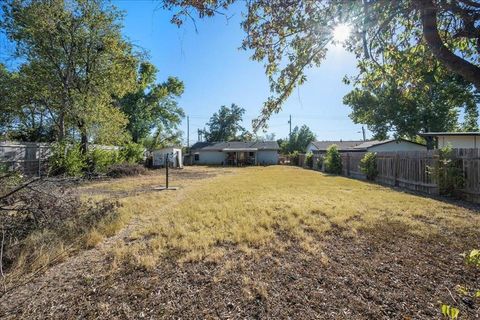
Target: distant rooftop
{"points": [[236, 145], [341, 145], [436, 134], [354, 145]]}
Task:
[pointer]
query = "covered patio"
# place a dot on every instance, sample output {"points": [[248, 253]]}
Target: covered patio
{"points": [[240, 156]]}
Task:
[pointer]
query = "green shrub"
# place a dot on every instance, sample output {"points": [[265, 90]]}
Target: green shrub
{"points": [[320, 161], [368, 165], [67, 159], [294, 158], [447, 172], [99, 160], [333, 160], [309, 160], [132, 153]]}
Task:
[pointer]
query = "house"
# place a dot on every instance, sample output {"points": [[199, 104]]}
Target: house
{"points": [[389, 145], [174, 156], [235, 153], [454, 139], [320, 147]]}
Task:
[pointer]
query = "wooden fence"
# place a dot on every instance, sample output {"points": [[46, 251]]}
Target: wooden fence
{"points": [[410, 170]]}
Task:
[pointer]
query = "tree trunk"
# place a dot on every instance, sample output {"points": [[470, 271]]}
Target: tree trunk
{"points": [[61, 127], [83, 137], [454, 63]]}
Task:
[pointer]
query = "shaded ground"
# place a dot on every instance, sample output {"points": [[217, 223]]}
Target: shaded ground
{"points": [[382, 271], [366, 277]]}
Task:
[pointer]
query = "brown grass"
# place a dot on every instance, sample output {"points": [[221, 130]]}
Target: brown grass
{"points": [[254, 207]]}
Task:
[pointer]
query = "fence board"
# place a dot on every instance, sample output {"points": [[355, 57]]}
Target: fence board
{"points": [[409, 169]]}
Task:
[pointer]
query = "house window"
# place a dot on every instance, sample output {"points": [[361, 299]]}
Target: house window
{"points": [[197, 157], [252, 154]]}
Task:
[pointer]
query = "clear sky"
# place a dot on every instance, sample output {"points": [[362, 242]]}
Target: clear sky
{"points": [[216, 72]]}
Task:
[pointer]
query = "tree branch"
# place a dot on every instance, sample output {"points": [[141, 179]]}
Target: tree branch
{"points": [[467, 70]]}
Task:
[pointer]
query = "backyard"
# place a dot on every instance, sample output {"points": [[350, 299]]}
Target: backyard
{"points": [[261, 242]]}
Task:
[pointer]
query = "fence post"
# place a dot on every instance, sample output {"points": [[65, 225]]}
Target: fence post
{"points": [[39, 161], [348, 164], [397, 168]]}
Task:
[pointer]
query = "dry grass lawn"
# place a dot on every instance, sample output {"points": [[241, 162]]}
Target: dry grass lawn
{"points": [[262, 242], [256, 206]]}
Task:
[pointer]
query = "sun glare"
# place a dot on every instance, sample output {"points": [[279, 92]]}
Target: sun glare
{"points": [[341, 33]]}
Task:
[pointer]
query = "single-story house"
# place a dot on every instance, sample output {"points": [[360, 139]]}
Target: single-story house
{"points": [[174, 154], [458, 140], [389, 145], [319, 147], [235, 153]]}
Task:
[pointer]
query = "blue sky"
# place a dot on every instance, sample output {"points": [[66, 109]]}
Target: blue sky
{"points": [[216, 72]]}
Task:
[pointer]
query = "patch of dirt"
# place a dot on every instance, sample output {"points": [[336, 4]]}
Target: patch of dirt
{"points": [[176, 176], [383, 273]]}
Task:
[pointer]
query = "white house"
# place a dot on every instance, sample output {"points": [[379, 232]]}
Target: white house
{"points": [[235, 153], [317, 147], [457, 140], [389, 145], [174, 154]]}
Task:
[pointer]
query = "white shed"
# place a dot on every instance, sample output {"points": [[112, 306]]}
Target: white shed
{"points": [[467, 140], [174, 156]]}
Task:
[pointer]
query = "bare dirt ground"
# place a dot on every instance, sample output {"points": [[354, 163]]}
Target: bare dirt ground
{"points": [[383, 272]]}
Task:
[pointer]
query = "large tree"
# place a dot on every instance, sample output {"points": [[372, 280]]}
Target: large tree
{"points": [[298, 140], [76, 61], [291, 36], [152, 107], [225, 125], [409, 92]]}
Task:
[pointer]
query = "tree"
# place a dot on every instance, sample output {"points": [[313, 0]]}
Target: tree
{"points": [[225, 124], [409, 92], [23, 116], [77, 59], [299, 140], [471, 118], [152, 106], [292, 36]]}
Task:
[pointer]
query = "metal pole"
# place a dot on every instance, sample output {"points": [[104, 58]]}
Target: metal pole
{"points": [[290, 123], [188, 132], [166, 168]]}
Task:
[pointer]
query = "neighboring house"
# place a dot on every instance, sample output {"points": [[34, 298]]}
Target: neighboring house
{"points": [[234, 153], [390, 145], [174, 156], [454, 139], [319, 147]]}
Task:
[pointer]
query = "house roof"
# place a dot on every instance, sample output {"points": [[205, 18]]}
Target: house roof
{"points": [[436, 134], [374, 143], [341, 145], [236, 146], [356, 145]]}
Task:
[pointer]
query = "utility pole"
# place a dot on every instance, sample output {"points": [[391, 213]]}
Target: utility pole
{"points": [[198, 133], [188, 133], [363, 132], [290, 123]]}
